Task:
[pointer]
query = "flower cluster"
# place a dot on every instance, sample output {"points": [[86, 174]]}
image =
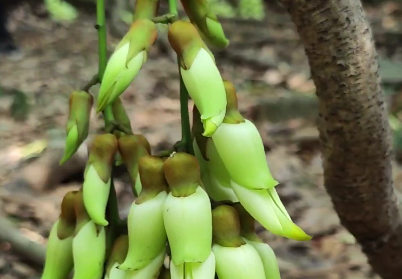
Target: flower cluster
{"points": [[195, 208]]}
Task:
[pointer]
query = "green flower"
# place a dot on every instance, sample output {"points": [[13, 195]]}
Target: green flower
{"points": [[126, 61], [187, 211], [59, 256], [80, 105], [97, 177], [242, 152], [89, 244], [146, 230], [200, 74]]}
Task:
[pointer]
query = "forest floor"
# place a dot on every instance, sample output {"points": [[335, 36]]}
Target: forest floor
{"points": [[267, 64]]}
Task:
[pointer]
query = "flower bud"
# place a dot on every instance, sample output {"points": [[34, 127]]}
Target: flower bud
{"points": [[187, 211], [117, 256], [146, 230], [242, 152], [266, 207], [200, 74], [182, 172], [89, 244], [61, 10], [204, 270], [59, 256], [206, 21], [151, 270], [80, 105], [266, 253], [234, 257], [132, 148], [67, 219], [126, 61], [97, 177], [145, 9], [120, 116]]}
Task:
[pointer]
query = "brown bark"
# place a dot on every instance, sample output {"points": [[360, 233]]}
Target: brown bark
{"points": [[353, 126]]}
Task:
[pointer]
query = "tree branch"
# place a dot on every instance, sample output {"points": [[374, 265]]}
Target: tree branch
{"points": [[353, 126]]}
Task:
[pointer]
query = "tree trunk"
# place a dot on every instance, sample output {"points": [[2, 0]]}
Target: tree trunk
{"points": [[353, 126]]}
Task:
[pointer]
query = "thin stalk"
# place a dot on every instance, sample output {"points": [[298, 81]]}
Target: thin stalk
{"points": [[186, 138], [101, 26], [112, 210], [173, 7]]}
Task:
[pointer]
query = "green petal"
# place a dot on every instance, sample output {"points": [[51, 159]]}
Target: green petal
{"points": [[150, 271], [188, 223], [241, 262], [146, 231], [96, 195], [205, 86], [89, 247], [268, 258], [260, 205], [72, 144], [204, 270], [59, 256], [242, 151], [119, 75]]}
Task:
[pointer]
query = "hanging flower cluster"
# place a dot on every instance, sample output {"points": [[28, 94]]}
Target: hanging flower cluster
{"points": [[195, 207]]}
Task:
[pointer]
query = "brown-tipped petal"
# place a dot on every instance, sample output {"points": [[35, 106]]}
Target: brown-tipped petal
{"points": [[186, 42], [247, 223], [226, 226], [67, 219], [102, 154], [182, 172], [152, 178], [80, 212], [132, 148]]}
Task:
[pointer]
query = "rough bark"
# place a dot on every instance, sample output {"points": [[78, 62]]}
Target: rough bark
{"points": [[353, 126]]}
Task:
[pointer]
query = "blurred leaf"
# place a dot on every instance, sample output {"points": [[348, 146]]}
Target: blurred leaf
{"points": [[19, 109], [390, 72]]}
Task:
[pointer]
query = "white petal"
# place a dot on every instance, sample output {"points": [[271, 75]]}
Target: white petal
{"points": [[242, 262], [188, 223], [242, 152], [146, 231]]}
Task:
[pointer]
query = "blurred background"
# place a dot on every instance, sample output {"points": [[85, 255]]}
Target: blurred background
{"points": [[50, 53]]}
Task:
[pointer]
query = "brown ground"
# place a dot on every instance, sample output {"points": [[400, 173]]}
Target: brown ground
{"points": [[264, 58]]}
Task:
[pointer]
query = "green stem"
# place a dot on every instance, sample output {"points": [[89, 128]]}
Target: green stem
{"points": [[186, 137], [173, 7], [101, 26], [112, 210]]}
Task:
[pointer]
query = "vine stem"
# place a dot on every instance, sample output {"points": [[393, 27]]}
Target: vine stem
{"points": [[173, 7], [112, 211]]}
